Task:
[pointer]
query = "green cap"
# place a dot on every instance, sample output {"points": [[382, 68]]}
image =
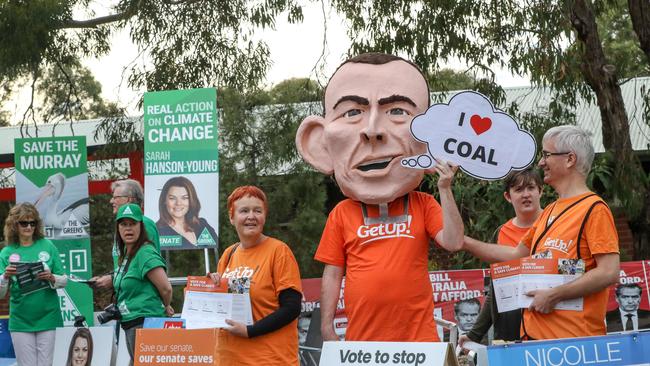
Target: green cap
{"points": [[129, 211]]}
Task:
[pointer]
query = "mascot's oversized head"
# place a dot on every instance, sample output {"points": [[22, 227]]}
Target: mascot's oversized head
{"points": [[364, 133]]}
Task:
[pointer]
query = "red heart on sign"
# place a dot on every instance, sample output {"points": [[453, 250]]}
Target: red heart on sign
{"points": [[480, 124]]}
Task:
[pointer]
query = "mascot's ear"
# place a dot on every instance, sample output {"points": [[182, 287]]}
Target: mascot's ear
{"points": [[310, 141]]}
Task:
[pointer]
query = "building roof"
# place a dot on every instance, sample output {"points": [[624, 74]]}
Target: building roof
{"points": [[528, 99]]}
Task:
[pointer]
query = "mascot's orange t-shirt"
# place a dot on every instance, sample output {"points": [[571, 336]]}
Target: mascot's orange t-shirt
{"points": [[265, 270], [511, 234], [599, 237], [388, 294]]}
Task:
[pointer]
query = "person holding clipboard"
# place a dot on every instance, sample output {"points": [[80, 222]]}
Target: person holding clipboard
{"points": [[31, 269], [266, 269]]}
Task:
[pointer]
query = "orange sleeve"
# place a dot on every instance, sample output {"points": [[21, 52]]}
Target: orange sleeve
{"points": [[600, 231], [331, 247], [432, 216], [285, 270]]}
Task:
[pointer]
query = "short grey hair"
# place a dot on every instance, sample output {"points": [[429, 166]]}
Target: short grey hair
{"points": [[574, 139], [132, 188]]}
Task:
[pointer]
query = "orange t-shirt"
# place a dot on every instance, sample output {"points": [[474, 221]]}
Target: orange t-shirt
{"points": [[511, 234], [269, 267], [388, 295], [599, 237]]}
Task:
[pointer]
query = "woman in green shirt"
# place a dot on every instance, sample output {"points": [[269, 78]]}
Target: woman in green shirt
{"points": [[141, 286], [34, 311]]}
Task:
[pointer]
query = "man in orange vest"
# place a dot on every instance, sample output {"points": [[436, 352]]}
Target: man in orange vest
{"points": [[579, 225]]}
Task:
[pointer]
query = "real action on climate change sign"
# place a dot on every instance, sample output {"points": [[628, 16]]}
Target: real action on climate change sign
{"points": [[52, 174], [181, 167]]}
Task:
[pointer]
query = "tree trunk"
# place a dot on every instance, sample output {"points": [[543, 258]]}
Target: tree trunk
{"points": [[602, 79], [640, 15], [629, 181]]}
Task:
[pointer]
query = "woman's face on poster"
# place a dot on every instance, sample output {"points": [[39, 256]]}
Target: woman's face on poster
{"points": [[178, 202], [80, 352]]}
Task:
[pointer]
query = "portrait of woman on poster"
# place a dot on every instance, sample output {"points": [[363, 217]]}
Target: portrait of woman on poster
{"points": [[33, 316], [266, 269], [179, 207], [80, 352]]}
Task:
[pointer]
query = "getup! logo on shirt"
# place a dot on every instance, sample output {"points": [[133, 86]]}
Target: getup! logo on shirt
{"points": [[370, 233], [558, 244]]}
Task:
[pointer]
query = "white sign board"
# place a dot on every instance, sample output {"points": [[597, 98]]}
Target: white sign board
{"points": [[387, 353], [484, 142], [210, 309]]}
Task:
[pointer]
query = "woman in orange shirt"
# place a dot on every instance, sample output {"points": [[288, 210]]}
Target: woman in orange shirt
{"points": [[266, 269]]}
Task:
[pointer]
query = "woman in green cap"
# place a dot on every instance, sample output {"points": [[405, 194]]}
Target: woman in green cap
{"points": [[141, 286]]}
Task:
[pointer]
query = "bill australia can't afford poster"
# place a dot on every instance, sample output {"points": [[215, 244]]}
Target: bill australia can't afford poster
{"points": [[52, 174], [181, 167]]}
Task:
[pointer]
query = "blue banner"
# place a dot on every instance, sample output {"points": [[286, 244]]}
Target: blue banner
{"points": [[620, 349], [6, 347], [163, 323]]}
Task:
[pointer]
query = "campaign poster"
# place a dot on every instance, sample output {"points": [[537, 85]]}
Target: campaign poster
{"points": [[52, 174], [181, 167], [458, 297], [175, 347], [93, 346], [628, 308]]}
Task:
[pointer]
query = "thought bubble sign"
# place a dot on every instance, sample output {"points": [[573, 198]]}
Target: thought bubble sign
{"points": [[483, 141]]}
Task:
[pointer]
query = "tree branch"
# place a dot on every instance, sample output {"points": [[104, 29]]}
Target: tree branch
{"points": [[131, 11], [30, 108], [92, 23]]}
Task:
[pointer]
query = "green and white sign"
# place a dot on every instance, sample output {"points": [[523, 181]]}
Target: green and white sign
{"points": [[52, 174], [181, 167]]}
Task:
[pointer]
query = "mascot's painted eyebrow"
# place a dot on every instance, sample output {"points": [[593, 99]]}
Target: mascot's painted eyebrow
{"points": [[353, 98], [396, 98], [383, 101]]}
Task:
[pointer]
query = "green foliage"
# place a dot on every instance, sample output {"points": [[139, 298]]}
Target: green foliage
{"points": [[620, 41], [71, 93], [26, 33], [449, 79], [188, 43], [257, 147]]}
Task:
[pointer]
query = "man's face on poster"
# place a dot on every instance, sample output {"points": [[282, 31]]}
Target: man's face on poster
{"points": [[466, 316], [366, 130], [629, 299]]}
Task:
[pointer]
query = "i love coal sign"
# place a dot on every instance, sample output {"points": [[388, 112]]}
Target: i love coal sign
{"points": [[483, 141]]}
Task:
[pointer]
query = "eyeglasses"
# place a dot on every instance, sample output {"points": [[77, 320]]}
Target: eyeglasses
{"points": [[116, 197], [27, 223], [546, 154]]}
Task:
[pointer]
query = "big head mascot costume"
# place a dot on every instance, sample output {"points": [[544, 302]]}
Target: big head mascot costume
{"points": [[379, 237]]}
